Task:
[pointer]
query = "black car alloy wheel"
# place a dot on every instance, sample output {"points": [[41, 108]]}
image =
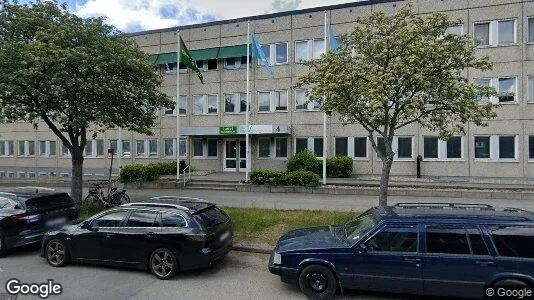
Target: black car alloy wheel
{"points": [[56, 253], [318, 282], [163, 263]]}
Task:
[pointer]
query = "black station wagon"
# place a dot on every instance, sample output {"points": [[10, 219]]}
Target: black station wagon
{"points": [[451, 250], [166, 235]]}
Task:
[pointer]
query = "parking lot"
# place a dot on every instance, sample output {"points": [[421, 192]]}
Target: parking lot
{"points": [[239, 276]]}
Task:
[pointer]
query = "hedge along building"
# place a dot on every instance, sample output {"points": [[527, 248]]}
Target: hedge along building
{"points": [[212, 115]]}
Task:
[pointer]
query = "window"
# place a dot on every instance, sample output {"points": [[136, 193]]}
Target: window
{"points": [[168, 147], [26, 148], [172, 220], [153, 147], [302, 101], [125, 148], [2, 148], [531, 30], [312, 143], [142, 219], [205, 104], [205, 148], [310, 49], [276, 54], [494, 33], [506, 88], [482, 147], [457, 29], [496, 147], [89, 148], [360, 147], [342, 146], [264, 148], [281, 147], [140, 149], [404, 147], [230, 63], [46, 148], [478, 247], [212, 64], [113, 144], [507, 147], [171, 68], [435, 148], [401, 146], [271, 101], [7, 148], [200, 64], [394, 239], [351, 146], [94, 148], [530, 83], [235, 103], [530, 147], [113, 219], [301, 144], [447, 239], [99, 147], [182, 106], [64, 150], [514, 241]]}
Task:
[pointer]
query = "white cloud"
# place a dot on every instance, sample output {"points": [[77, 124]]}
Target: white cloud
{"points": [[152, 14]]}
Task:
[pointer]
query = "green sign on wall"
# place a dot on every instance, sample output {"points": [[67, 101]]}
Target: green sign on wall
{"points": [[228, 130]]}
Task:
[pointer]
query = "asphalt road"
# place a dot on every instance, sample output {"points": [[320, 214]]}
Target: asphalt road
{"points": [[239, 276], [308, 201]]}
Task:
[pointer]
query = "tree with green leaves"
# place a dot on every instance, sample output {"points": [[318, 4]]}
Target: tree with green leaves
{"points": [[77, 75], [393, 71]]}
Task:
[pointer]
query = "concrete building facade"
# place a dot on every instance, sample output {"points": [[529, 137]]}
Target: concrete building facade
{"points": [[212, 116]]}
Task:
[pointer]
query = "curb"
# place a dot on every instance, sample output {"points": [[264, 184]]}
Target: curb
{"points": [[252, 249]]}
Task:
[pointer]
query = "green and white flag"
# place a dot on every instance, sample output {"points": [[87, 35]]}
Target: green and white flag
{"points": [[189, 61]]}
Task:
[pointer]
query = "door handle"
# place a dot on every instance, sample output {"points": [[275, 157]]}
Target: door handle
{"points": [[485, 263], [150, 234], [109, 235], [413, 260]]}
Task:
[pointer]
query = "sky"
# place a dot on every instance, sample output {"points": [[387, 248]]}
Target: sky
{"points": [[138, 15]]}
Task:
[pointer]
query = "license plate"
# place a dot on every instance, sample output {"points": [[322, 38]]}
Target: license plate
{"points": [[224, 236], [56, 222]]}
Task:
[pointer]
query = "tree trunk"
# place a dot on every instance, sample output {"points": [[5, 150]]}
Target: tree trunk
{"points": [[384, 181], [77, 176]]}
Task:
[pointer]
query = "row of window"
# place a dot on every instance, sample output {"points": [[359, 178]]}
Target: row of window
{"points": [[492, 147], [511, 241], [277, 100], [235, 103]]}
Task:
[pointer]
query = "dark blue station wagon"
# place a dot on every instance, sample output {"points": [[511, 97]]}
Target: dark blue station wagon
{"points": [[452, 250]]}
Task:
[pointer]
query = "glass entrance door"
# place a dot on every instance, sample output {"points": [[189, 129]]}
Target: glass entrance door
{"points": [[235, 155]]}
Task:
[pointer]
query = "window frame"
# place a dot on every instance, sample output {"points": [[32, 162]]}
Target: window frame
{"points": [[351, 149], [394, 147], [237, 106], [205, 150], [273, 154], [164, 111], [529, 42], [310, 145], [494, 152], [205, 105], [494, 83], [310, 53], [313, 106], [272, 54], [442, 150], [272, 101], [493, 33]]}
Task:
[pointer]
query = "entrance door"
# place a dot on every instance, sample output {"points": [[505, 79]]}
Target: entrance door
{"points": [[235, 155]]}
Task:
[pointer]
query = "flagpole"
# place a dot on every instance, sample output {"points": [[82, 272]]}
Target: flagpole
{"points": [[119, 155], [247, 117], [178, 108], [325, 144]]}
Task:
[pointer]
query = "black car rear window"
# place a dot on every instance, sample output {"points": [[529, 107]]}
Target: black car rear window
{"points": [[514, 241], [49, 202], [211, 217]]}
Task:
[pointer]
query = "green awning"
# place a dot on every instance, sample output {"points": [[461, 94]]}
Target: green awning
{"points": [[153, 58], [233, 51], [205, 54], [166, 58]]}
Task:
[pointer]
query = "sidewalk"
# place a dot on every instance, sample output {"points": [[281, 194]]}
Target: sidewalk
{"points": [[286, 201]]}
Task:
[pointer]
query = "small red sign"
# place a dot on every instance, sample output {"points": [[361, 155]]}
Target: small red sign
{"points": [[111, 151]]}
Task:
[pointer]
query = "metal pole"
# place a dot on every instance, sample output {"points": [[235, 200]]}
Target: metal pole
{"points": [[178, 107], [325, 144], [247, 117], [119, 153]]}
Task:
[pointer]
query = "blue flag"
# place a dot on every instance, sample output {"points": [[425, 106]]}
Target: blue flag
{"points": [[257, 52], [333, 41]]}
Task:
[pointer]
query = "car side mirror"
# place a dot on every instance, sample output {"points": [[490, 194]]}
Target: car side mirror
{"points": [[89, 226], [362, 248]]}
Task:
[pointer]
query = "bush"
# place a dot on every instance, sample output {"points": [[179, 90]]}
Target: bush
{"points": [[296, 178], [149, 172], [304, 161], [339, 167]]}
